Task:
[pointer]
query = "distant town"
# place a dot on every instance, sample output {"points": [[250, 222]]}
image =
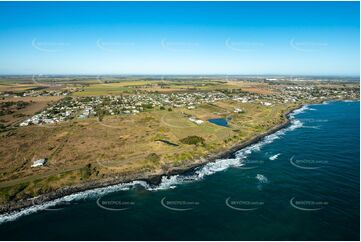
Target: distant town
{"points": [[97, 106]]}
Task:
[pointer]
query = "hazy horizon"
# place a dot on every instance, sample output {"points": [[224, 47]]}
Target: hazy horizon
{"points": [[178, 75]]}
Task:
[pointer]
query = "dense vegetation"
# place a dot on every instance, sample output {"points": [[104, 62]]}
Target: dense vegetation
{"points": [[9, 107], [192, 140]]}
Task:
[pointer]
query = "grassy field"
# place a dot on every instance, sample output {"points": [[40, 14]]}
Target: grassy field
{"points": [[167, 86], [8, 86], [80, 151], [112, 86]]}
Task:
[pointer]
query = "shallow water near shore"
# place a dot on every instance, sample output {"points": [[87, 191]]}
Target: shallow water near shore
{"points": [[301, 183]]}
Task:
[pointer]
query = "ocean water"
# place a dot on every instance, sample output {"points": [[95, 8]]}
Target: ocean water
{"points": [[301, 183]]}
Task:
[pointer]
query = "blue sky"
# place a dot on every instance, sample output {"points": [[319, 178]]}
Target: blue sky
{"points": [[288, 38]]}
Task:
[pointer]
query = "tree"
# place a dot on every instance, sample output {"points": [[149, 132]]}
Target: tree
{"points": [[100, 113]]}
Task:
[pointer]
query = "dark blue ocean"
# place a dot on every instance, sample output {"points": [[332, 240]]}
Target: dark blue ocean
{"points": [[301, 183]]}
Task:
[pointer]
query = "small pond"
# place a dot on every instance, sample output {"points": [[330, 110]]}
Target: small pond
{"points": [[219, 121]]}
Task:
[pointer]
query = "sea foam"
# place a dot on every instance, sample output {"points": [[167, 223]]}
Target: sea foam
{"points": [[274, 157], [262, 178]]}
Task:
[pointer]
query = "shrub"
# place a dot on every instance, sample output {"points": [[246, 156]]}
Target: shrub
{"points": [[85, 172], [147, 106], [192, 140], [153, 157]]}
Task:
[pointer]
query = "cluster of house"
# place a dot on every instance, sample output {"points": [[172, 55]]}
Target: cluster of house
{"points": [[54, 114], [87, 112], [85, 107], [310, 92], [40, 119], [33, 93]]}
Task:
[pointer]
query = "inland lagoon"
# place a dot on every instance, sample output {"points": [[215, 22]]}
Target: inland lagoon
{"points": [[219, 121]]}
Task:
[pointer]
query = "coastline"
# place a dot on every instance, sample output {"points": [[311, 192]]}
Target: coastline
{"points": [[151, 178]]}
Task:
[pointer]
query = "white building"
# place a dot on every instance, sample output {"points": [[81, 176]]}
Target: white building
{"points": [[196, 121], [39, 162], [266, 104], [238, 110]]}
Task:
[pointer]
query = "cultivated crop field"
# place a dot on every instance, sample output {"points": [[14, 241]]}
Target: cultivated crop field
{"points": [[169, 86]]}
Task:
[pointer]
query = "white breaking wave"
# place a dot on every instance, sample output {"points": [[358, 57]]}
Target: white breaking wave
{"points": [[274, 157], [261, 178], [300, 110], [76, 196], [243, 153], [295, 124], [217, 166], [170, 182], [198, 174]]}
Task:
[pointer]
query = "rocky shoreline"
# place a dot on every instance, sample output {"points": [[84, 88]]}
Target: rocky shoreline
{"points": [[151, 178]]}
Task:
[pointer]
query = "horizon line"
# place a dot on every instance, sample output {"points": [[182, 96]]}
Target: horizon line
{"points": [[195, 74]]}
